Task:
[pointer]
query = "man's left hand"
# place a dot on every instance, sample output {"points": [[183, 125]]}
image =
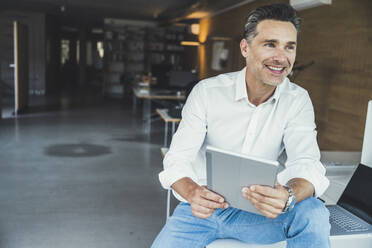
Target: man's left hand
{"points": [[268, 200]]}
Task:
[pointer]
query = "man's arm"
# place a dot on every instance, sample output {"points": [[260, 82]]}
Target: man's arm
{"points": [[304, 173], [302, 188], [178, 172], [301, 147], [203, 202], [271, 201], [187, 141]]}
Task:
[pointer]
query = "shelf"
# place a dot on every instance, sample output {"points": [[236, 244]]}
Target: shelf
{"points": [[131, 51]]}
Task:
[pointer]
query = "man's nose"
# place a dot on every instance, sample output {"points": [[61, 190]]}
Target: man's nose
{"points": [[280, 56]]}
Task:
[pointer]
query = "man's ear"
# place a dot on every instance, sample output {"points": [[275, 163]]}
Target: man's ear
{"points": [[244, 47]]}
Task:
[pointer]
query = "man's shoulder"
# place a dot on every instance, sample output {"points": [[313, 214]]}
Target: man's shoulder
{"points": [[219, 81], [292, 89]]}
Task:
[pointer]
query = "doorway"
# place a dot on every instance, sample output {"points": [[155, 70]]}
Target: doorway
{"points": [[14, 71]]}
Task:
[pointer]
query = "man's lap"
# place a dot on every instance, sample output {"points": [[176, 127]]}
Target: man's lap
{"points": [[185, 230]]}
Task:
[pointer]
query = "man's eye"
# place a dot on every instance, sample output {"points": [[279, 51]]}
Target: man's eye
{"points": [[290, 47], [269, 44]]}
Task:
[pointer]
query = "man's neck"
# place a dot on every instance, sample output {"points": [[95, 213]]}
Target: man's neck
{"points": [[259, 92]]}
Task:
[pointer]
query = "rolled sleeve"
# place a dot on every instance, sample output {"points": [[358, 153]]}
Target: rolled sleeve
{"points": [[303, 155], [186, 142], [312, 171], [174, 173]]}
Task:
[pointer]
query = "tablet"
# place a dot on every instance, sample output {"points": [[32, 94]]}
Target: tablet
{"points": [[229, 172]]}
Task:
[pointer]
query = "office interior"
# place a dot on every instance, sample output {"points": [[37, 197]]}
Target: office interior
{"points": [[81, 148]]}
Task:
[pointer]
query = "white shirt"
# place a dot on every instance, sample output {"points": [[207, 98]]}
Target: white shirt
{"points": [[218, 113]]}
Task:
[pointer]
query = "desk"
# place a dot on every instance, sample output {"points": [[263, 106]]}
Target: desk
{"points": [[166, 118], [340, 166], [147, 97]]}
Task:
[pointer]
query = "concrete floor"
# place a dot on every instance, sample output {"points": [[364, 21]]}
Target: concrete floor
{"points": [[78, 171], [84, 176]]}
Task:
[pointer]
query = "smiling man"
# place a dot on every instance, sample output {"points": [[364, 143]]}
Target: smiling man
{"points": [[259, 112]]}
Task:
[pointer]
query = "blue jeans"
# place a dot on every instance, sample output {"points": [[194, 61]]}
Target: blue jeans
{"points": [[306, 225]]}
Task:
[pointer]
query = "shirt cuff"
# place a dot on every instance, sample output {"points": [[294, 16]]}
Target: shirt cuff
{"points": [[174, 173], [314, 175]]}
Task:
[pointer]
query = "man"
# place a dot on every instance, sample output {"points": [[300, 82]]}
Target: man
{"points": [[256, 111]]}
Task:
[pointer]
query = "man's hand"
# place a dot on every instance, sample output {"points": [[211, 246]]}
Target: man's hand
{"points": [[203, 202], [269, 201]]}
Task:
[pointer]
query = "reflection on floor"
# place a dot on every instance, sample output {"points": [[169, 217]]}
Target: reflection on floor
{"points": [[84, 176]]}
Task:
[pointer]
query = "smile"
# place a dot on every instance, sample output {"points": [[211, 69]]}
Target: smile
{"points": [[274, 69]]}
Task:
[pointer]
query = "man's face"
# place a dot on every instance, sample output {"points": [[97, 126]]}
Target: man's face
{"points": [[271, 53]]}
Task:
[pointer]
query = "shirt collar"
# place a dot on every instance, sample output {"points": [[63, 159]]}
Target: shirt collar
{"points": [[241, 87]]}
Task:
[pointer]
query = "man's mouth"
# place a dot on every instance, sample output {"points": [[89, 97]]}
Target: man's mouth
{"points": [[275, 69]]}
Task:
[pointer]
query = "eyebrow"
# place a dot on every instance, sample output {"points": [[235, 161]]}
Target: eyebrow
{"points": [[276, 41]]}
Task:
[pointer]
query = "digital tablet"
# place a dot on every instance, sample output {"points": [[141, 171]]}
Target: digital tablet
{"points": [[228, 173]]}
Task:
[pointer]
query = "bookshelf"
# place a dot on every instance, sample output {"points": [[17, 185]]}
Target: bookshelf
{"points": [[131, 51]]}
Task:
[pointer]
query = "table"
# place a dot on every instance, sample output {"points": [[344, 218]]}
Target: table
{"points": [[166, 118], [148, 97], [340, 166]]}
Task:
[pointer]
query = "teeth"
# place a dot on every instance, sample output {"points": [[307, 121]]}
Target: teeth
{"points": [[275, 68]]}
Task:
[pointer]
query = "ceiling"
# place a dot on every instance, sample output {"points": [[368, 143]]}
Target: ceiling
{"points": [[75, 11]]}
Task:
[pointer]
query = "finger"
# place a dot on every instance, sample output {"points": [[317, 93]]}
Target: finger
{"points": [[279, 187], [268, 214], [266, 190], [275, 202], [209, 195], [263, 207], [211, 204], [201, 209]]}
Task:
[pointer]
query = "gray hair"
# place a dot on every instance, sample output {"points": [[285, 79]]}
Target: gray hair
{"points": [[278, 12]]}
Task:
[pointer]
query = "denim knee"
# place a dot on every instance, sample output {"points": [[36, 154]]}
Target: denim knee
{"points": [[313, 210], [310, 217]]}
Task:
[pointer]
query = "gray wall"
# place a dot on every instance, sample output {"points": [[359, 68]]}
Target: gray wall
{"points": [[36, 30]]}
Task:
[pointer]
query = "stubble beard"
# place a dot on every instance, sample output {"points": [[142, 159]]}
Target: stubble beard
{"points": [[273, 83]]}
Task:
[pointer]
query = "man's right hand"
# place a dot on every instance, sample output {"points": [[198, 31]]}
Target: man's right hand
{"points": [[203, 202]]}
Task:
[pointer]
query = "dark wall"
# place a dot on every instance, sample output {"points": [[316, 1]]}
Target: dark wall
{"points": [[36, 40], [337, 38], [6, 53], [1, 90], [53, 55]]}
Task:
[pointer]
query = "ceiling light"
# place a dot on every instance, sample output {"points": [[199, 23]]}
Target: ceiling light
{"points": [[195, 28], [190, 43], [197, 15]]}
